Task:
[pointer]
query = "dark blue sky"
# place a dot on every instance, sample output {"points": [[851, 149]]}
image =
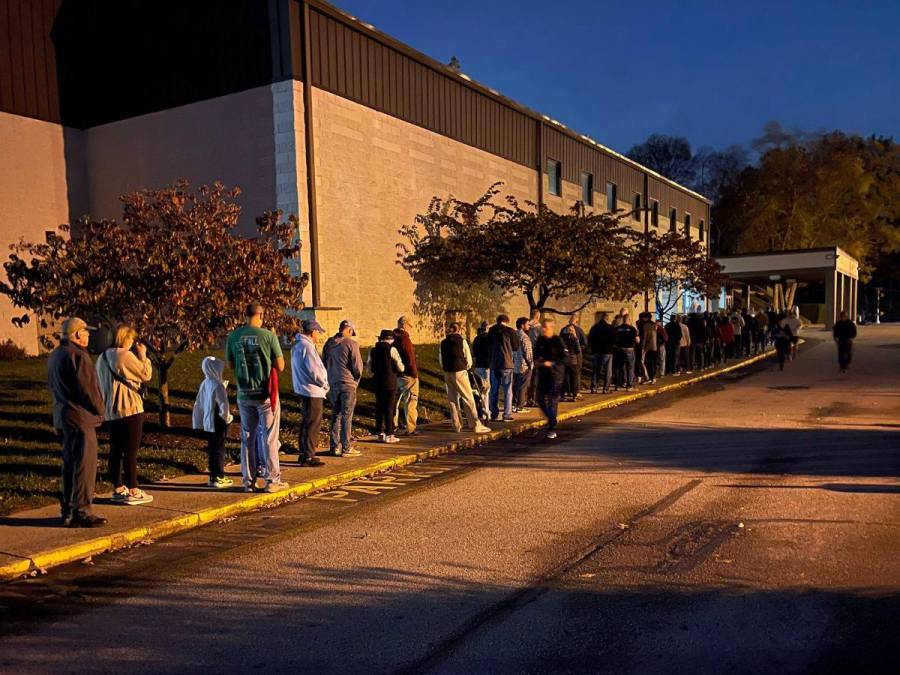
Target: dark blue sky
{"points": [[712, 71]]}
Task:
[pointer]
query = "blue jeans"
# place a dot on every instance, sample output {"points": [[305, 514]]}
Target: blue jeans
{"points": [[521, 383], [548, 402], [259, 440], [343, 401], [602, 365], [502, 378]]}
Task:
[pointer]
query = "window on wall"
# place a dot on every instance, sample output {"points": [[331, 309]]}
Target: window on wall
{"points": [[700, 232], [554, 177], [636, 214], [587, 188], [687, 225], [654, 213], [611, 197], [673, 220]]}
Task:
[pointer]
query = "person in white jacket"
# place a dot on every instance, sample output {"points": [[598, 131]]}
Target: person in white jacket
{"points": [[310, 381], [212, 415]]}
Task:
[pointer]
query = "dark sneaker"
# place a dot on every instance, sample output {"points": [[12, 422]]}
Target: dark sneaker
{"points": [[85, 521], [311, 462]]}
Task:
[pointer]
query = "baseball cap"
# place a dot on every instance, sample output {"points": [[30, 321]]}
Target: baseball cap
{"points": [[73, 324], [346, 323], [311, 325]]}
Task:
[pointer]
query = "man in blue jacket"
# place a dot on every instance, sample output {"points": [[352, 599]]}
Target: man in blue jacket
{"points": [[504, 344], [311, 384]]}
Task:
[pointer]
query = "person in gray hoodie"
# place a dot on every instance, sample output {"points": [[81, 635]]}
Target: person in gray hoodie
{"points": [[344, 365], [212, 415]]}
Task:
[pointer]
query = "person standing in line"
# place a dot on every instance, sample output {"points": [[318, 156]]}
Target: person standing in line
{"points": [[481, 353], [534, 332], [570, 379], [77, 412], [310, 382], [649, 348], [385, 364], [751, 329], [550, 357], [618, 360], [844, 333], [796, 325], [662, 338], [212, 415], [344, 366], [762, 328], [407, 414], [253, 352], [697, 329], [121, 373], [737, 325], [673, 339], [504, 343], [684, 347], [627, 340], [455, 360], [782, 336], [523, 364], [576, 352], [602, 341]]}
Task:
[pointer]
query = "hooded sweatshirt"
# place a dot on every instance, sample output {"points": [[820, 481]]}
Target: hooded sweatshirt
{"points": [[307, 370], [344, 364], [212, 399], [121, 373], [793, 322]]}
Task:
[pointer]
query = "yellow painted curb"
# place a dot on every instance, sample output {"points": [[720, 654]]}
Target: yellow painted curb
{"points": [[187, 521]]}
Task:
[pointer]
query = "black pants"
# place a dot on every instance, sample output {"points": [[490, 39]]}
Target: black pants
{"points": [[215, 449], [684, 357], [845, 353], [579, 368], [385, 403], [650, 365], [699, 356], [311, 410], [570, 386], [782, 347], [124, 442], [79, 471]]}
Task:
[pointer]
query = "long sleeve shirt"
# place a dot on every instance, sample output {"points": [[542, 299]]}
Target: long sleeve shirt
{"points": [[344, 364], [77, 400], [307, 369], [523, 359]]}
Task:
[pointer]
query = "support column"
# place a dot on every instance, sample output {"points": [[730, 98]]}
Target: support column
{"points": [[855, 299], [831, 298]]}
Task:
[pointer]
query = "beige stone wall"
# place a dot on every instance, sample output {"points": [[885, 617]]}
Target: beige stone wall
{"points": [[33, 199], [374, 173]]}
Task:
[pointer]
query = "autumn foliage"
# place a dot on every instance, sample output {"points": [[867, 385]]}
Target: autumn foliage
{"points": [[174, 268]]}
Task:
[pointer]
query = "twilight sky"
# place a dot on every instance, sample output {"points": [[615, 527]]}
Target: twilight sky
{"points": [[713, 71]]}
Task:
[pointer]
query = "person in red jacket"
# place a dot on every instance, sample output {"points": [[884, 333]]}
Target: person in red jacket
{"points": [[408, 402]]}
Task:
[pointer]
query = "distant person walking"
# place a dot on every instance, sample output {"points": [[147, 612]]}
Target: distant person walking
{"points": [[523, 365], [844, 333], [212, 415], [602, 341], [408, 403], [310, 382], [253, 352], [455, 360], [385, 365], [550, 357], [344, 365], [77, 412], [782, 337], [121, 373], [504, 343]]}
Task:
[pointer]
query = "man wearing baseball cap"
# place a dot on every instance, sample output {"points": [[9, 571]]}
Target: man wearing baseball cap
{"points": [[310, 381], [77, 412], [344, 365]]}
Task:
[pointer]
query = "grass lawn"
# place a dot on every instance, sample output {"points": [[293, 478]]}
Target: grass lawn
{"points": [[30, 454]]}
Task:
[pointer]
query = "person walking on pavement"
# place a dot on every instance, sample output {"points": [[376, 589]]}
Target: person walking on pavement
{"points": [[782, 337], [523, 365], [504, 343], [122, 373], [343, 363], [77, 412], [796, 325], [481, 353], [576, 341], [253, 352], [455, 360], [385, 364], [627, 340], [212, 415], [408, 403], [602, 341], [310, 382], [844, 333], [550, 357]]}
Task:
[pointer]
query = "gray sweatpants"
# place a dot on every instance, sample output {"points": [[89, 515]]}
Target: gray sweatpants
{"points": [[259, 441], [79, 472]]}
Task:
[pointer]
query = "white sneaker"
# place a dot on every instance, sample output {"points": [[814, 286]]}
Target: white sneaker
{"points": [[272, 486], [391, 439], [551, 434], [381, 437], [481, 429], [139, 497]]}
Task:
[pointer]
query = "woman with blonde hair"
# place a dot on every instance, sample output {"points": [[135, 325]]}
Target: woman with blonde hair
{"points": [[122, 370]]}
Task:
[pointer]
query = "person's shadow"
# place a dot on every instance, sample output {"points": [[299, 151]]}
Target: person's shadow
{"points": [[45, 521]]}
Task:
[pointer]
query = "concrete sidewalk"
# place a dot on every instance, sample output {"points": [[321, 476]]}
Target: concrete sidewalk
{"points": [[33, 541]]}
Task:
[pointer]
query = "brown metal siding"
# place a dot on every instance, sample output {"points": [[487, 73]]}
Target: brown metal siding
{"points": [[577, 156], [28, 83], [357, 66], [670, 197]]}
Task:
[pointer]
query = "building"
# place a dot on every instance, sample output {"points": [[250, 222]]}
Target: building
{"points": [[301, 105]]}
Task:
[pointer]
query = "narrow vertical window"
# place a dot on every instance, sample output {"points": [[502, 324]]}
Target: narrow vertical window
{"points": [[654, 213], [701, 233], [611, 197], [687, 225], [587, 188], [673, 220], [554, 177], [636, 214]]}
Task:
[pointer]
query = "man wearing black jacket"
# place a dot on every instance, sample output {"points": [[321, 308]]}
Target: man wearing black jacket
{"points": [[481, 354], [550, 358], [77, 412], [626, 340], [844, 333], [602, 340], [504, 343]]}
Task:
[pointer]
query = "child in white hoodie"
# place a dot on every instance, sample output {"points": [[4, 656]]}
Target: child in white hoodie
{"points": [[212, 415]]}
